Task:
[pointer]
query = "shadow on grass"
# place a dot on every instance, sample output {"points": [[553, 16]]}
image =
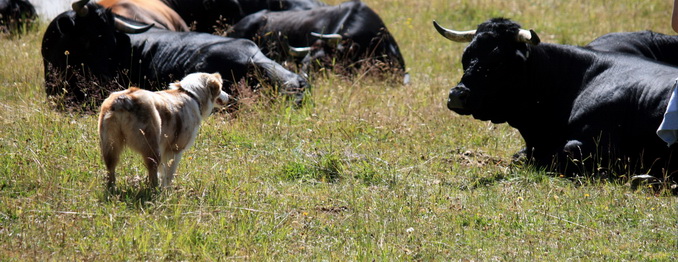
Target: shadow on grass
{"points": [[133, 196], [484, 181]]}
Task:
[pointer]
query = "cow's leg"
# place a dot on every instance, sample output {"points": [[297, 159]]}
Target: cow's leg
{"points": [[672, 165], [564, 157], [542, 156], [573, 149], [590, 157], [571, 158], [520, 156]]}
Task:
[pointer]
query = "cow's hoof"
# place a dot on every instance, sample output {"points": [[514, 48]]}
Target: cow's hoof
{"points": [[645, 180]]}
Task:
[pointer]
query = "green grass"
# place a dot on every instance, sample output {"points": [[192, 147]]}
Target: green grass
{"points": [[365, 171]]}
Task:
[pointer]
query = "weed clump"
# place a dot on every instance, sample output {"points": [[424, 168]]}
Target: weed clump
{"points": [[327, 168]]}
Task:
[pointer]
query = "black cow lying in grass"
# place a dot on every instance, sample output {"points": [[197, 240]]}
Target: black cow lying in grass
{"points": [[578, 110], [88, 49], [350, 35], [16, 16]]}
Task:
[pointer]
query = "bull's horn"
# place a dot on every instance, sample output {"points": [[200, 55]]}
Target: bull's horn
{"points": [[333, 39], [528, 36], [80, 8], [327, 36], [457, 36], [125, 27], [299, 51]]}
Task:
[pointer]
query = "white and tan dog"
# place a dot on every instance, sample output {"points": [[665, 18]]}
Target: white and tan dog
{"points": [[158, 125]]}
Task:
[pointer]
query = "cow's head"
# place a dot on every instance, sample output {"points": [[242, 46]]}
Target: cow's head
{"points": [[330, 50], [494, 69], [84, 45], [327, 51]]}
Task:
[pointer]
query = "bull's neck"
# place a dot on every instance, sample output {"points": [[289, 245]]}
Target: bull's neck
{"points": [[553, 76], [172, 3], [183, 8], [561, 69]]}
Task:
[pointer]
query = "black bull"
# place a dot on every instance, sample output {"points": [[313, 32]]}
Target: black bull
{"points": [[16, 15], [364, 36], [208, 15], [88, 48], [567, 102]]}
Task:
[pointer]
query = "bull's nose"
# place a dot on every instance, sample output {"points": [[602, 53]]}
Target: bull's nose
{"points": [[457, 98]]}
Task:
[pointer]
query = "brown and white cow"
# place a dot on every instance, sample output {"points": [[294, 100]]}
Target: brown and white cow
{"points": [[149, 12]]}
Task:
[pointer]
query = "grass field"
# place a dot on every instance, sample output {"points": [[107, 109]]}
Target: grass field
{"points": [[364, 171]]}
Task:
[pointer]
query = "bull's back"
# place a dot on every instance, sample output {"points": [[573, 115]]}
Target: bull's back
{"points": [[648, 44], [168, 56], [627, 100]]}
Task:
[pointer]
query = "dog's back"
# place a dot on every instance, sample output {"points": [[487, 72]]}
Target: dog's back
{"points": [[120, 101], [126, 115]]}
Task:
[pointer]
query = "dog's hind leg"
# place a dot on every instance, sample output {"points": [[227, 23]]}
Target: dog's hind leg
{"points": [[111, 147], [111, 155], [171, 159], [152, 160], [148, 145], [152, 163]]}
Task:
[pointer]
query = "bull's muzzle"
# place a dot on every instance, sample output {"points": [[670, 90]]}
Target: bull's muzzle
{"points": [[457, 98]]}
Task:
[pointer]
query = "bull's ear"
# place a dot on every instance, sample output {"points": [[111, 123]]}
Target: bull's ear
{"points": [[535, 38], [523, 54], [122, 44], [528, 36], [65, 24]]}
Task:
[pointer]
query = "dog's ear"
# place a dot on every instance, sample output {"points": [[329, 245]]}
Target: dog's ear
{"points": [[214, 84]]}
